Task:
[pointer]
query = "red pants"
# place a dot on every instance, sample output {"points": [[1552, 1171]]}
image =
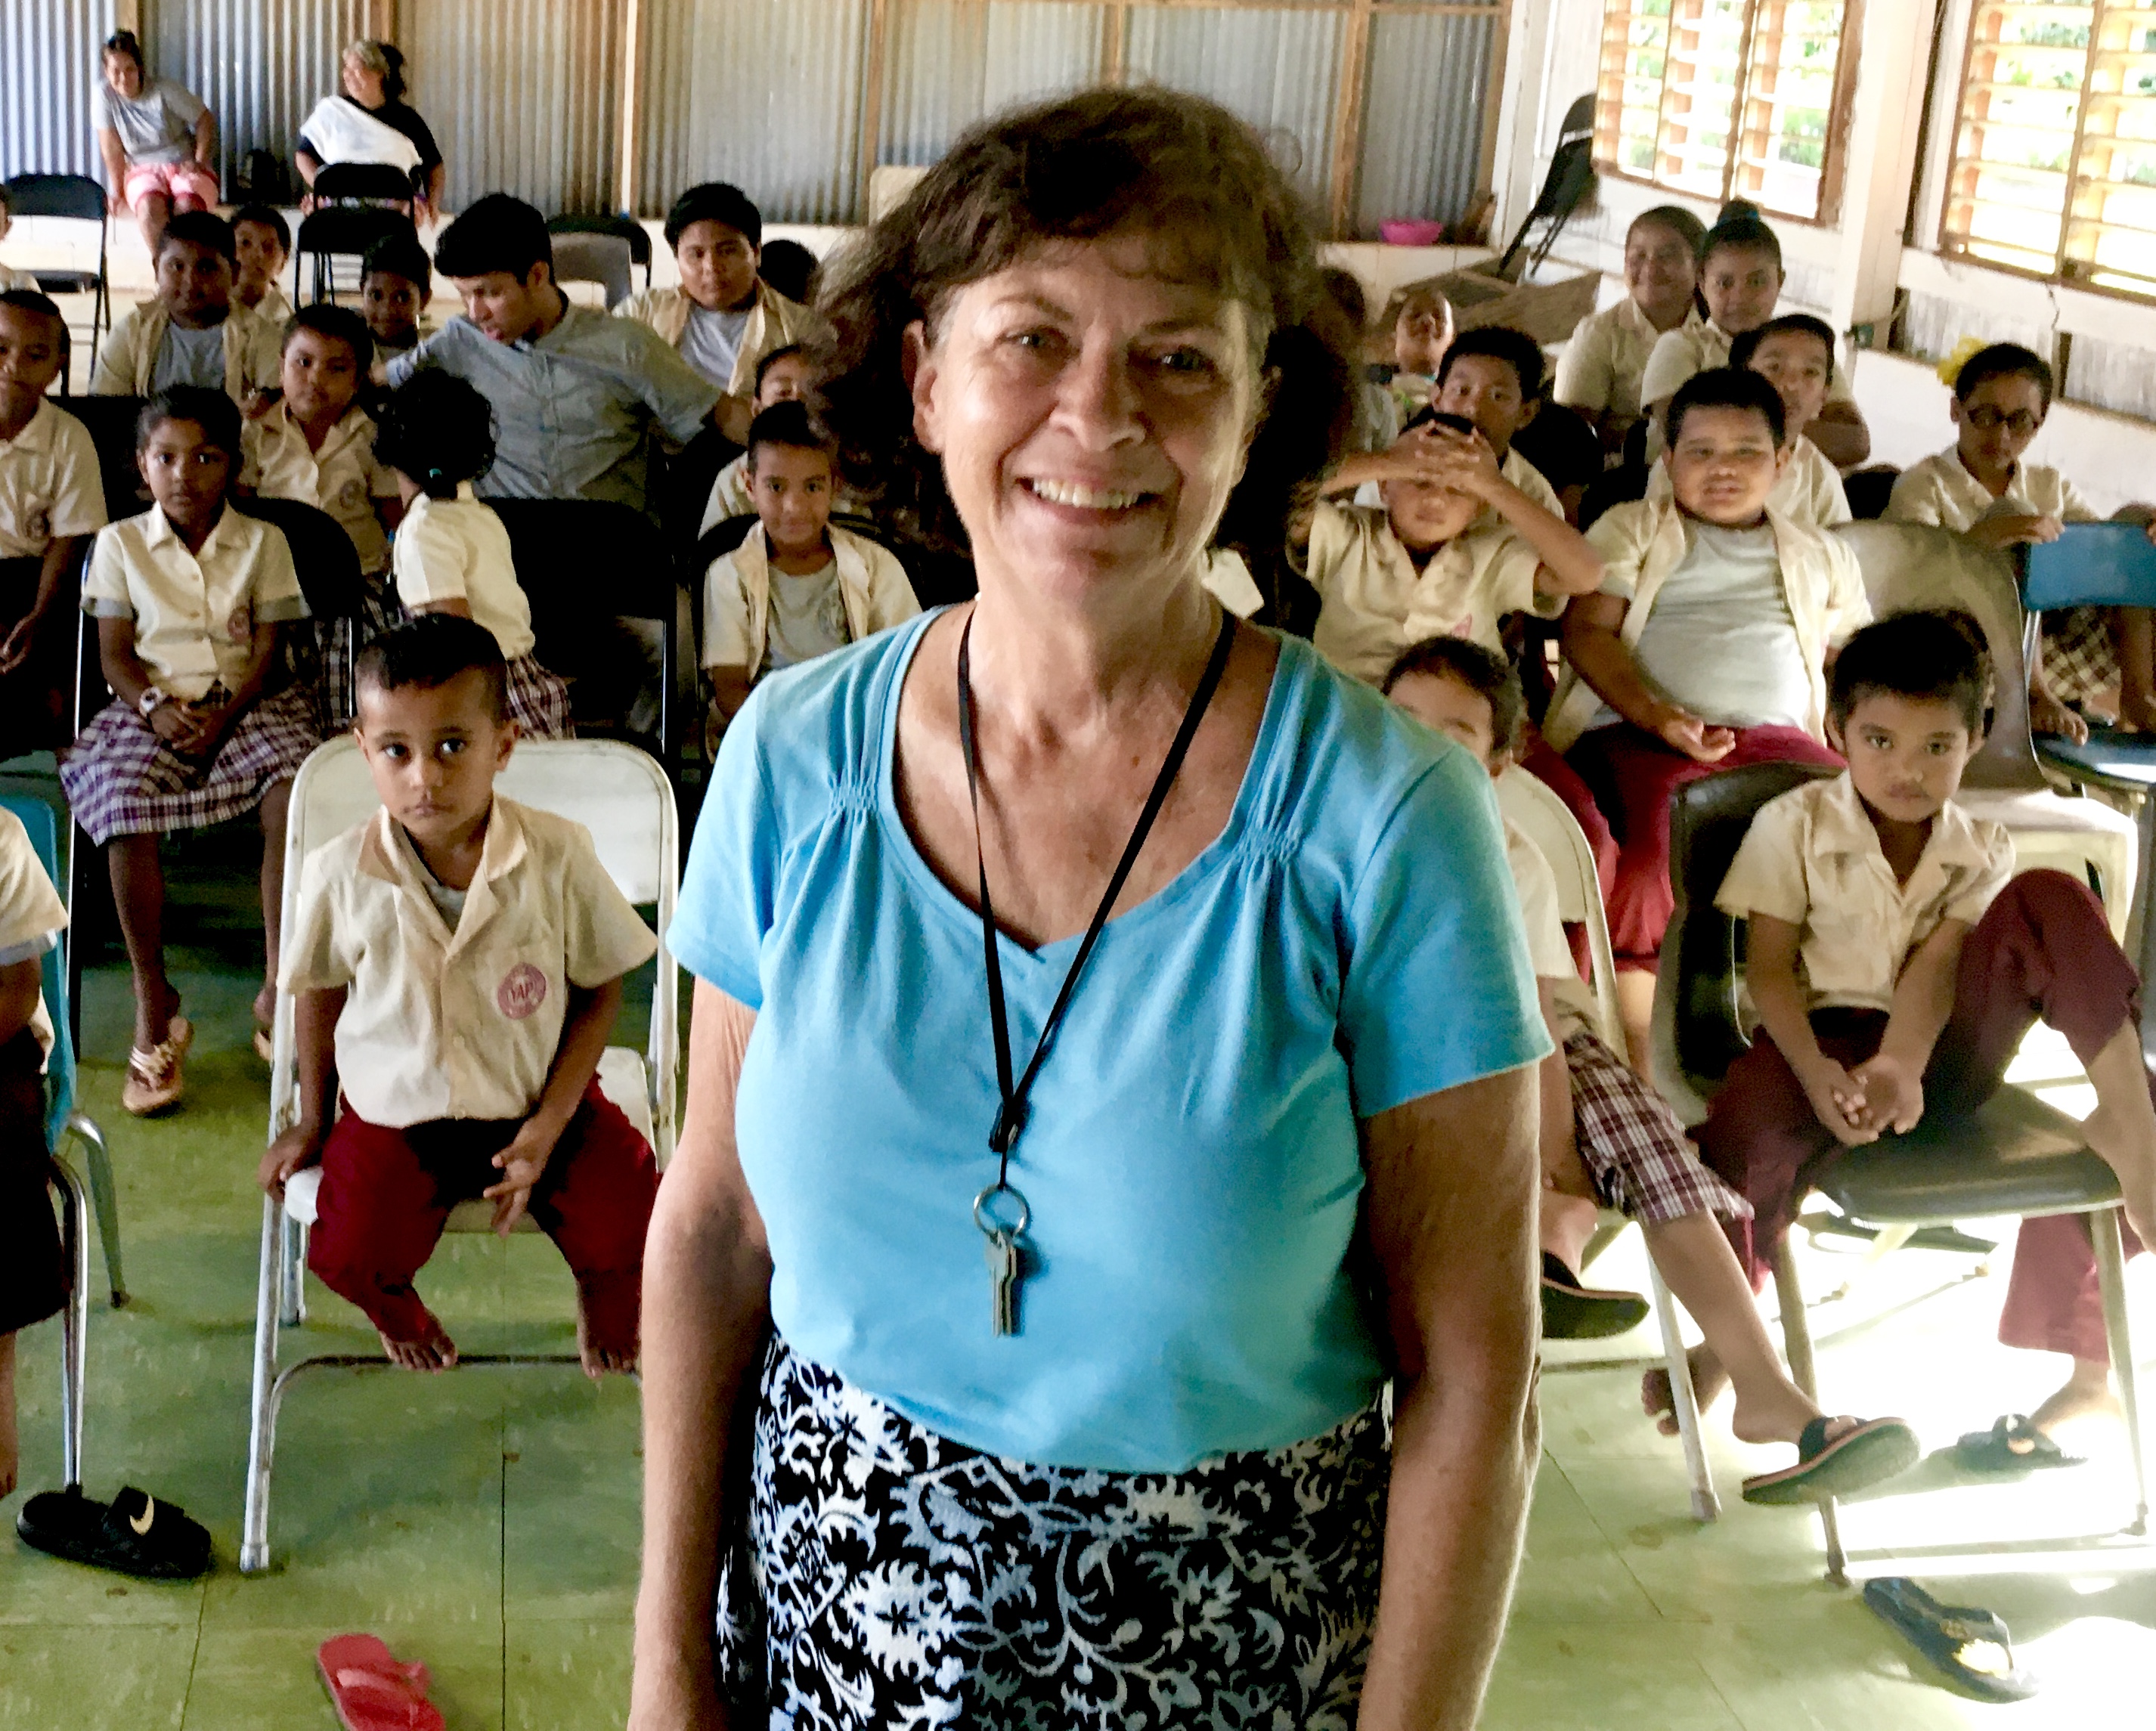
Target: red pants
{"points": [[2041, 949], [1633, 776], [386, 1194]]}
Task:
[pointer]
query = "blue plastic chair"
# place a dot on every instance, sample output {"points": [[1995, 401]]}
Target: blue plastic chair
{"points": [[2093, 565], [62, 1121]]}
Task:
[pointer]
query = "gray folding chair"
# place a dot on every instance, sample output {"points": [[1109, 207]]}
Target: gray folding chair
{"points": [[602, 259]]}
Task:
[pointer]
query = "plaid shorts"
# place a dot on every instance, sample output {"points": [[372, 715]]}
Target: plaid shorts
{"points": [[122, 780], [2080, 657], [1637, 1155], [341, 639], [539, 701]]}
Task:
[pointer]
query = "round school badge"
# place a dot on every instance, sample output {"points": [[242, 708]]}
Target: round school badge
{"points": [[241, 625], [522, 990]]}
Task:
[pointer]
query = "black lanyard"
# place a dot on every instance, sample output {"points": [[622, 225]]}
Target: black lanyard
{"points": [[1010, 1118]]}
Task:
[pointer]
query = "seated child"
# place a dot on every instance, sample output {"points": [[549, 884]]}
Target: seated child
{"points": [[466, 1058], [11, 279], [451, 554], [262, 246], [315, 445], [724, 317], [1608, 1140], [1740, 280], [33, 1276], [189, 600], [1706, 648], [796, 586], [1425, 563], [1423, 330], [51, 496], [1495, 378], [192, 334], [1897, 963], [782, 376], [1794, 353], [395, 283], [2104, 658]]}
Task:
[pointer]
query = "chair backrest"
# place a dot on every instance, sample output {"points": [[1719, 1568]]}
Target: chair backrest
{"points": [[43, 827], [581, 560], [1557, 835], [2090, 565], [614, 790], [602, 259], [322, 554], [343, 230], [362, 182], [1912, 565], [111, 423], [1870, 491], [75, 197], [627, 228], [1700, 1031]]}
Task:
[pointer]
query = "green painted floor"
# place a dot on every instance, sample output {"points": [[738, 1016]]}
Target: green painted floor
{"points": [[486, 1522]]}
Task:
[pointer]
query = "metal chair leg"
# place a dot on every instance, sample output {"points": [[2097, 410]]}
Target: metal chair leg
{"points": [[1706, 1505], [75, 1318], [262, 1417], [1804, 1370], [105, 1195], [2111, 1280], [291, 1272]]}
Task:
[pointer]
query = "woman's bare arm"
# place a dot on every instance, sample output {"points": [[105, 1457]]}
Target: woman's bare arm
{"points": [[706, 1294], [114, 154], [1452, 1212]]}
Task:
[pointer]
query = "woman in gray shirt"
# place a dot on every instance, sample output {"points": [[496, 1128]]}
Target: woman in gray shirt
{"points": [[158, 140]]}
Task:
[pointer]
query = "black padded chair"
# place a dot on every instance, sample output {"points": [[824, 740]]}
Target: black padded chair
{"points": [[627, 228], [2014, 1156], [1869, 489], [377, 183], [73, 198], [343, 231]]}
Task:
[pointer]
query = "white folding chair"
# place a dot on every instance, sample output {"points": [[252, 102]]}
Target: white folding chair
{"points": [[623, 797], [1541, 815]]}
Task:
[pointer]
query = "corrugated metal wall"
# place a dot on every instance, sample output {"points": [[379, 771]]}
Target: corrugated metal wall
{"points": [[522, 96], [49, 59], [260, 65], [1422, 123], [766, 94], [950, 63], [1278, 71]]}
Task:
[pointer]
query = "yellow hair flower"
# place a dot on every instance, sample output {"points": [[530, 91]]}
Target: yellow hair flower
{"points": [[1949, 369]]}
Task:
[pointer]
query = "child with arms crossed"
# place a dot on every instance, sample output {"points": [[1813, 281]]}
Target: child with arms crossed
{"points": [[458, 960], [1897, 963]]}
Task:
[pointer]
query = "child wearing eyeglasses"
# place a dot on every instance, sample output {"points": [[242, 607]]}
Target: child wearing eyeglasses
{"points": [[2099, 658]]}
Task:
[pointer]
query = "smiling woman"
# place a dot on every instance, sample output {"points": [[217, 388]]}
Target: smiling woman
{"points": [[1112, 1050]]}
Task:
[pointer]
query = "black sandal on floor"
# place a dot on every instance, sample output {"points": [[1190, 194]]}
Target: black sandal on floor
{"points": [[135, 1534], [1859, 1458], [1573, 1312], [1992, 1451], [1969, 1645]]}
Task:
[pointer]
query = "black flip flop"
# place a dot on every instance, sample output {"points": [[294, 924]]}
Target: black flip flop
{"points": [[1969, 1645], [1992, 1451], [135, 1534], [1874, 1451], [1573, 1312]]}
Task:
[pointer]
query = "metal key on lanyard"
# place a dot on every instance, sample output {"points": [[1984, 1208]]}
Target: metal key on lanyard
{"points": [[1005, 1258]]}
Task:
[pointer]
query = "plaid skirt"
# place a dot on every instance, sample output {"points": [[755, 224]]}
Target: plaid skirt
{"points": [[539, 701], [890, 1577], [2080, 657], [121, 779], [341, 639], [1637, 1155]]}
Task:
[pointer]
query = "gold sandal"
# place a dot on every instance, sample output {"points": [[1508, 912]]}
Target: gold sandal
{"points": [[155, 1078]]}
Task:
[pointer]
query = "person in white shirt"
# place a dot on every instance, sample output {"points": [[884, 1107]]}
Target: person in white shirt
{"points": [[451, 554], [1599, 372], [2102, 658]]}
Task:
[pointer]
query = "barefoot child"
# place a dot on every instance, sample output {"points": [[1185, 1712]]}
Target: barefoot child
{"points": [[457, 960], [782, 376], [33, 1274], [189, 600], [451, 554], [1897, 963], [1608, 1139]]}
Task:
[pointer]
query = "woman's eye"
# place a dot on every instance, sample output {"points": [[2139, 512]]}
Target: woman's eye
{"points": [[1191, 360]]}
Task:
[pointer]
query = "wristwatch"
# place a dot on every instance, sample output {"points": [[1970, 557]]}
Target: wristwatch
{"points": [[147, 703]]}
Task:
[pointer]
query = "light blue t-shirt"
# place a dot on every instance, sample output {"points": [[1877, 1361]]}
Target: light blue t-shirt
{"points": [[1349, 942]]}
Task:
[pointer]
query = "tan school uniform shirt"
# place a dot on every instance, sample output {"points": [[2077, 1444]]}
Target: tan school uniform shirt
{"points": [[773, 322], [1941, 491], [194, 613], [456, 550], [1642, 543], [462, 1023], [873, 588], [1810, 489], [1605, 358], [1698, 347], [31, 915], [1812, 858], [50, 487], [342, 478], [128, 362], [1374, 603]]}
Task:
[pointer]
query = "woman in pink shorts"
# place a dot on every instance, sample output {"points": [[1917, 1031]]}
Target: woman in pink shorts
{"points": [[158, 140]]}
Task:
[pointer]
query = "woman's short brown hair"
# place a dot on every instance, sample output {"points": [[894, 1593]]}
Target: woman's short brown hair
{"points": [[1183, 171]]}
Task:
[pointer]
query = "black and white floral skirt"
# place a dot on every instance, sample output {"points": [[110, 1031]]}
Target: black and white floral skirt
{"points": [[888, 1577]]}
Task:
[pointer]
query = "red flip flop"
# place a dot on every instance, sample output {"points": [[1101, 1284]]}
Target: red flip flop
{"points": [[371, 1691]]}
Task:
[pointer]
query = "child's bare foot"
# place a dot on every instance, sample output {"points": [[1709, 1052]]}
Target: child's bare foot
{"points": [[434, 1349], [1708, 1381], [2085, 1394], [599, 1361]]}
